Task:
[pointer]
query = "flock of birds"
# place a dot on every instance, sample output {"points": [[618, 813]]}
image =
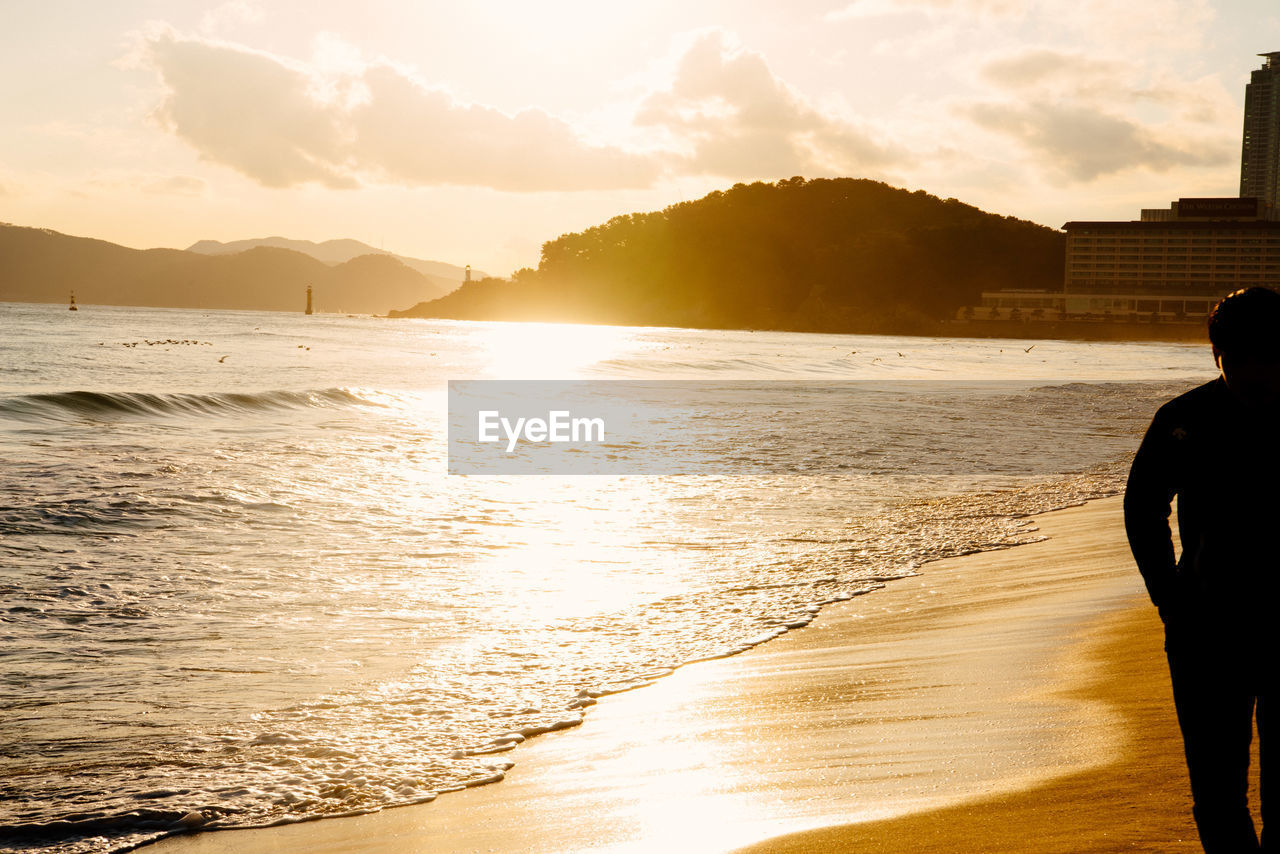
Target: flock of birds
{"points": [[188, 342], [174, 342], [902, 355], [185, 342]]}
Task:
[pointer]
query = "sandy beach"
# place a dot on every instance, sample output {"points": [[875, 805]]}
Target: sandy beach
{"points": [[1012, 700]]}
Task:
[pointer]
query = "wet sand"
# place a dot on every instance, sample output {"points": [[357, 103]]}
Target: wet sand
{"points": [[1137, 802], [1014, 700]]}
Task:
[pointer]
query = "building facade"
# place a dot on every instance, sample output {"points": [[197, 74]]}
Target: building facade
{"points": [[1260, 147], [1175, 264]]}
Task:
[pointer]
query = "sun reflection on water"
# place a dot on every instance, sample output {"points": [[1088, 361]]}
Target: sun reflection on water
{"points": [[549, 351], [571, 561]]}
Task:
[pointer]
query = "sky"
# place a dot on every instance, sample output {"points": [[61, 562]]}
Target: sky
{"points": [[472, 132]]}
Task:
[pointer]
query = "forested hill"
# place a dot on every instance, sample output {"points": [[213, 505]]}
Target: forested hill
{"points": [[824, 255]]}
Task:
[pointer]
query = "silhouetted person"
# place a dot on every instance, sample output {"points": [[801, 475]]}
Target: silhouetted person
{"points": [[1217, 449]]}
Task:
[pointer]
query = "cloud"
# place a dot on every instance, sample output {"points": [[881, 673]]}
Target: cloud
{"points": [[250, 111], [733, 117], [283, 123], [1083, 116], [1048, 72], [876, 8], [422, 136], [1041, 67], [342, 122], [1079, 142]]}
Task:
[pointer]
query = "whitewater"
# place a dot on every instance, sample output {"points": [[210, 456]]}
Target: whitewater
{"points": [[240, 586]]}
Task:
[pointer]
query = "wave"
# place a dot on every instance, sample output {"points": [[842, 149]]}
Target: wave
{"points": [[76, 405], [132, 829]]}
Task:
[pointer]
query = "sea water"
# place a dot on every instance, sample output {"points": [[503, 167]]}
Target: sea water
{"points": [[239, 586]]}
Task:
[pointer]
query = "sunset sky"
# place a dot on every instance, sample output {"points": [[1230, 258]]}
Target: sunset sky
{"points": [[473, 131]]}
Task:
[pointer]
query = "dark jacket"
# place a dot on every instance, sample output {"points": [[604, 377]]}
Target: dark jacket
{"points": [[1221, 460]]}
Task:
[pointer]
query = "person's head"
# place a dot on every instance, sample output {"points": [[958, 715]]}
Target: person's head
{"points": [[1244, 329]]}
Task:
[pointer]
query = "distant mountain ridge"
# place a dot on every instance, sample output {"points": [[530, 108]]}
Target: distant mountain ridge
{"points": [[42, 265], [337, 252]]}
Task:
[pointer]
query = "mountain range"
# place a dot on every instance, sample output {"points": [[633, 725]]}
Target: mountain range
{"points": [[42, 265], [331, 252], [823, 255]]}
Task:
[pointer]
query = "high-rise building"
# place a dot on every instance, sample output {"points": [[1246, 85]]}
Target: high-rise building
{"points": [[1260, 148]]}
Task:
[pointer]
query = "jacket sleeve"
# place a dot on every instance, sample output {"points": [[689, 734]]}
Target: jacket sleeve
{"points": [[1148, 497]]}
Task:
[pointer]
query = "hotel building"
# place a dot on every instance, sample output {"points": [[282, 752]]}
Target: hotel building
{"points": [[1176, 263], [1172, 265]]}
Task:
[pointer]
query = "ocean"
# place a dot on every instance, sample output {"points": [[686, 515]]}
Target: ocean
{"points": [[240, 586]]}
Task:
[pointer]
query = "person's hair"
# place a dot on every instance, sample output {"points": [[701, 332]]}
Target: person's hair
{"points": [[1247, 323]]}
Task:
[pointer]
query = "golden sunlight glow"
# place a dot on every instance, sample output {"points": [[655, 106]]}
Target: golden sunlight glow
{"points": [[549, 351], [570, 564]]}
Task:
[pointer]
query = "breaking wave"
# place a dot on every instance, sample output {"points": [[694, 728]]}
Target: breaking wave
{"points": [[106, 405]]}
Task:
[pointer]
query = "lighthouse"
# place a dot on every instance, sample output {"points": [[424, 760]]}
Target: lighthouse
{"points": [[308, 299]]}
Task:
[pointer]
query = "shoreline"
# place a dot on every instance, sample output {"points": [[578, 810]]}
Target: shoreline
{"points": [[941, 692], [1073, 331]]}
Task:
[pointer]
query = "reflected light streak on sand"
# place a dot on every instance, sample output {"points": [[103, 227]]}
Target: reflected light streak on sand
{"points": [[677, 793]]}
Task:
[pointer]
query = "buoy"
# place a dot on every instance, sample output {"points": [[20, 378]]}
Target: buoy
{"points": [[72, 307], [308, 299]]}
